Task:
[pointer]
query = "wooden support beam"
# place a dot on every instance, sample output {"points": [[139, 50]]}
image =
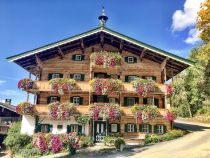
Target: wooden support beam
{"points": [[61, 54], [143, 52], [102, 40], [82, 46], [121, 46], [163, 64], [38, 61]]}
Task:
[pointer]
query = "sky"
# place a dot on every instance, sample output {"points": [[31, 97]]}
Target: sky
{"points": [[25, 25]]}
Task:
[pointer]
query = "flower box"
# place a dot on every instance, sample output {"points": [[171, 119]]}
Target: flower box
{"points": [[25, 84], [24, 108]]}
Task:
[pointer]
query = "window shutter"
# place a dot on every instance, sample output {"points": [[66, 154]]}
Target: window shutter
{"points": [[154, 78], [49, 128], [73, 57], [68, 129], [156, 102], [164, 129], [136, 100], [71, 75], [110, 130], [143, 77], [79, 129], [71, 99], [80, 101], [140, 128], [126, 127], [155, 128], [106, 99], [82, 77], [58, 99], [135, 128], [150, 128], [118, 76], [125, 101], [126, 59], [48, 100], [38, 128], [116, 100], [135, 59], [126, 78], [144, 100], [61, 75], [49, 76], [94, 98], [118, 127], [83, 57]]}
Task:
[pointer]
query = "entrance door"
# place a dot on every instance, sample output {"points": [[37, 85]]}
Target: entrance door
{"points": [[99, 131]]}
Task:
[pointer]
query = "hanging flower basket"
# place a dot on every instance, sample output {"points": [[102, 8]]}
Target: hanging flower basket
{"points": [[107, 59], [60, 111], [145, 112], [25, 84], [62, 85], [24, 108], [103, 86], [169, 89], [171, 115], [105, 111], [143, 87]]}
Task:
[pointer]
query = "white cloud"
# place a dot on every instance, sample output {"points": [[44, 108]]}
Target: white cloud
{"points": [[9, 92], [193, 36], [2, 82], [186, 17]]}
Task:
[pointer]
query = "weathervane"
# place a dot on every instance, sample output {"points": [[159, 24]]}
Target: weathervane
{"points": [[103, 18]]}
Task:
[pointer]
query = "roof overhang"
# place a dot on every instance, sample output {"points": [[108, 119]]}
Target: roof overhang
{"points": [[7, 106], [174, 63]]}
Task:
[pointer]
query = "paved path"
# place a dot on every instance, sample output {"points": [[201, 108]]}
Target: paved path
{"points": [[193, 145]]}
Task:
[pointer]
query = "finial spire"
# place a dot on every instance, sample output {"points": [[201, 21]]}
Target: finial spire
{"points": [[103, 18]]}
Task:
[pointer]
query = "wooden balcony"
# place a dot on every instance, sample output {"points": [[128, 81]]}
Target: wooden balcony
{"points": [[83, 86], [42, 109]]}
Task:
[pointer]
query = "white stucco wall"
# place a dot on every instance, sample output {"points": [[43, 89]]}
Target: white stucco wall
{"points": [[27, 125]]}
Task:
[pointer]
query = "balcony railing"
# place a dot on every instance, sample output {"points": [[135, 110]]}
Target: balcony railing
{"points": [[8, 119]]}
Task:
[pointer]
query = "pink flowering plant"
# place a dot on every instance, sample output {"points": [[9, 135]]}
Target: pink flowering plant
{"points": [[24, 108], [105, 111], [61, 111], [25, 84], [102, 86], [143, 87], [56, 143], [40, 142], [107, 59], [62, 85], [169, 89], [171, 115], [145, 112]]}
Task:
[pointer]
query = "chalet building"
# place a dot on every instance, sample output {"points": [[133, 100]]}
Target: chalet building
{"points": [[86, 58]]}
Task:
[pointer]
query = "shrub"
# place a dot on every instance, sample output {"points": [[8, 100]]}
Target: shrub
{"points": [[86, 141], [109, 140], [30, 153], [118, 142], [14, 140]]}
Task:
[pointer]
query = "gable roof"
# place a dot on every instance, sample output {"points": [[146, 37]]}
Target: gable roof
{"points": [[8, 106], [28, 59]]}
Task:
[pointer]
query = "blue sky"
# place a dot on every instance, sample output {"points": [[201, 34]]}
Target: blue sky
{"points": [[26, 25]]}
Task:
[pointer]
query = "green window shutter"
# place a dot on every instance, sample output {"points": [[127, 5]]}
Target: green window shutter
{"points": [[156, 102], [145, 101], [68, 129], [150, 128], [143, 77], [126, 127], [38, 128], [83, 57], [79, 129], [135, 128], [118, 127], [126, 59], [48, 100], [140, 128], [73, 57], [106, 99], [71, 75], [110, 128], [117, 100], [61, 75], [154, 78], [49, 76], [136, 100], [71, 99], [164, 129], [125, 101], [82, 77], [58, 99], [126, 78], [155, 128], [80, 101], [94, 98], [49, 128], [135, 59]]}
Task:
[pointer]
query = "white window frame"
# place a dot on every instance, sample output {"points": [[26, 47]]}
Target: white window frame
{"points": [[131, 78], [76, 100], [131, 128], [112, 100], [130, 59], [114, 128], [55, 75], [145, 128], [77, 77], [78, 57], [150, 101], [130, 99], [74, 128], [53, 99], [160, 129]]}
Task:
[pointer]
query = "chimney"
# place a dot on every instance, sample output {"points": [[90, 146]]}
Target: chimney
{"points": [[8, 101]]}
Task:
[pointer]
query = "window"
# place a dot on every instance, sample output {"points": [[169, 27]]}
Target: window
{"points": [[59, 127], [130, 101], [112, 100], [131, 78], [74, 128], [150, 101], [100, 99], [149, 78], [114, 128], [44, 128], [145, 128], [77, 77], [76, 100], [78, 57], [160, 129], [130, 59], [55, 76], [53, 99], [131, 128]]}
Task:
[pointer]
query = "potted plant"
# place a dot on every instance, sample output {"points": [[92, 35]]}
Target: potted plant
{"points": [[73, 143], [119, 144], [25, 84], [24, 108]]}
